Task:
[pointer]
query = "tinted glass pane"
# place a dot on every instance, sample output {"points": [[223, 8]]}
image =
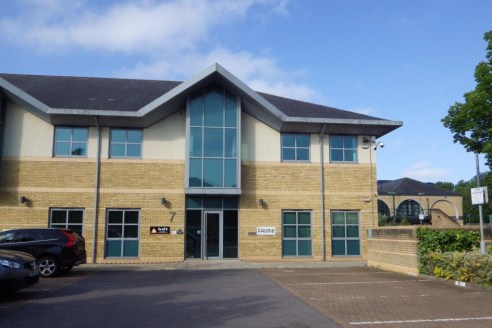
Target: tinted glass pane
{"points": [[288, 140], [62, 149], [304, 247], [118, 135], [134, 150], [195, 173], [230, 143], [131, 217], [302, 140], [230, 234], [290, 232], [352, 218], [338, 232], [212, 202], [230, 110], [63, 134], [213, 143], [212, 173], [353, 231], [338, 218], [130, 248], [113, 248], [194, 202], [349, 142], [58, 217], [304, 232], [76, 227], [131, 231], [214, 103], [304, 218], [231, 202], [117, 150], [135, 136], [288, 154], [196, 107], [336, 155], [79, 135], [289, 248], [302, 154], [115, 231], [350, 155], [353, 247], [196, 142], [115, 217], [338, 247], [336, 142], [75, 216], [230, 173], [289, 218], [79, 149]]}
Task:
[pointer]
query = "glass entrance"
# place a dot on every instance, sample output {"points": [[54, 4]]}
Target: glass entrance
{"points": [[213, 234]]}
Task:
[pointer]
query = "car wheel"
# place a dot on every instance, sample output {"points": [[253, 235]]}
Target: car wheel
{"points": [[48, 266]]}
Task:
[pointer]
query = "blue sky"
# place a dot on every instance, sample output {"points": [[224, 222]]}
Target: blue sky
{"points": [[399, 60]]}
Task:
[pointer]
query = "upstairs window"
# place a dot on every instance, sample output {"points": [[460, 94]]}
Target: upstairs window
{"points": [[295, 147], [71, 142], [125, 143], [343, 149]]}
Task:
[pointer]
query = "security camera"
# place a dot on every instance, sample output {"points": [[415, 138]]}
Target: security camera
{"points": [[381, 145]]}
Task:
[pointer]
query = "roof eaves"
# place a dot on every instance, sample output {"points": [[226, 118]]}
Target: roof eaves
{"points": [[92, 112], [23, 96], [343, 121]]}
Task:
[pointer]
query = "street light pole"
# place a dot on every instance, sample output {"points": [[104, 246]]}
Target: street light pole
{"points": [[483, 249]]}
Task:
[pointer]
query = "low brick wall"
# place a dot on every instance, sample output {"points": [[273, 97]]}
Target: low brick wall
{"points": [[393, 249]]}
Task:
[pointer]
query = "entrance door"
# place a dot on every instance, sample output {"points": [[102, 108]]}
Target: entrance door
{"points": [[212, 226]]}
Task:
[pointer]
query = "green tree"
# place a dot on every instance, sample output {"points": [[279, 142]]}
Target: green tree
{"points": [[471, 121], [444, 185]]}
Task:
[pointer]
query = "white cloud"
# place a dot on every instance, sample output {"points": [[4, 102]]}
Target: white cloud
{"points": [[424, 170]]}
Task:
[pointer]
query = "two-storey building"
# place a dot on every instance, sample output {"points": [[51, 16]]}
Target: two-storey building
{"points": [[160, 171]]}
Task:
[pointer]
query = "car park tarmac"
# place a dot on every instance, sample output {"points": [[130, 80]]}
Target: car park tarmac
{"points": [[236, 294]]}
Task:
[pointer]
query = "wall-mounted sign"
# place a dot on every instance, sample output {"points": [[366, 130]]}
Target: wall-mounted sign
{"points": [[160, 230], [265, 231]]}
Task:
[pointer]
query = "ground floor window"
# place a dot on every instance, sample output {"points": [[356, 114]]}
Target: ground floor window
{"points": [[68, 218], [122, 232], [345, 233], [296, 235]]}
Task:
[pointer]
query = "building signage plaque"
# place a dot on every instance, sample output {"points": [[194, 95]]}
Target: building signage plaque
{"points": [[265, 231], [160, 230]]}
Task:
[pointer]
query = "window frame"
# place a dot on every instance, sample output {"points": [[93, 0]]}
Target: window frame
{"points": [[346, 239], [122, 239], [66, 225], [125, 143], [70, 142], [296, 148], [344, 149], [297, 239]]}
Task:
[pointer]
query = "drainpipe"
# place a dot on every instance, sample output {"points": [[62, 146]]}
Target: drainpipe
{"points": [[96, 192], [322, 191]]}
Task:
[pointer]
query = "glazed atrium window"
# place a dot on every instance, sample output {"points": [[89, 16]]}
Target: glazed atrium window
{"points": [[343, 148], [295, 147], [125, 143], [71, 142], [213, 127]]}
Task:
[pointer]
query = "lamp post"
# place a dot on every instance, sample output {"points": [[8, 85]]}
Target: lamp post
{"points": [[483, 249], [421, 210], [392, 193]]}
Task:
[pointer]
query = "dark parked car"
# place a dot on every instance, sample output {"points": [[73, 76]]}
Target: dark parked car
{"points": [[17, 270], [57, 250]]}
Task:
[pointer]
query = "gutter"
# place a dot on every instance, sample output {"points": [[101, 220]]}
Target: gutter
{"points": [[322, 191], [96, 192]]}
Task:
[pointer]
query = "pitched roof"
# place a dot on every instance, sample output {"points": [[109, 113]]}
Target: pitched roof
{"points": [[410, 187], [150, 100]]}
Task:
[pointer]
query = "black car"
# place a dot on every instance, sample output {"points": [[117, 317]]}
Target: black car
{"points": [[56, 250], [17, 270]]}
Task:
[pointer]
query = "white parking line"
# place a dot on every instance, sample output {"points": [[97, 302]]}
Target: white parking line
{"points": [[365, 297], [357, 282], [390, 322]]}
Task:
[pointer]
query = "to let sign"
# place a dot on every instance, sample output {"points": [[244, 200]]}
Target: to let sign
{"points": [[479, 196], [265, 231]]}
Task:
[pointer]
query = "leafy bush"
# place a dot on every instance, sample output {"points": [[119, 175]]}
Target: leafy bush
{"points": [[452, 254]]}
